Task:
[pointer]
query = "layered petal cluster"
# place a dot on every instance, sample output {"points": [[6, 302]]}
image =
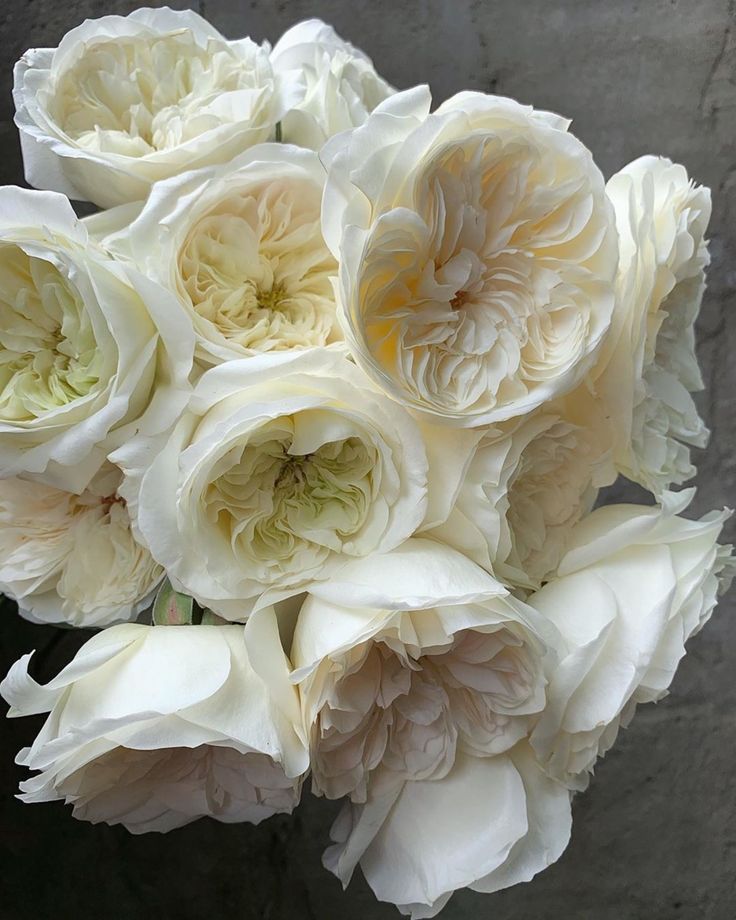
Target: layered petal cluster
{"points": [[242, 248], [400, 688], [341, 86], [283, 467], [649, 367], [73, 558], [90, 351], [524, 488], [125, 101], [153, 727], [477, 253], [635, 584]]}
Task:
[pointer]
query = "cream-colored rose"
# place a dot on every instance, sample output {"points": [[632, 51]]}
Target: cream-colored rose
{"points": [[341, 86], [283, 467], [242, 248], [90, 351], [153, 727], [72, 558], [525, 487], [126, 101], [420, 678], [648, 367], [635, 584], [403, 660], [477, 253]]}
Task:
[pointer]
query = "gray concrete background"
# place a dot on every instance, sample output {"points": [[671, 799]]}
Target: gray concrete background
{"points": [[655, 836]]}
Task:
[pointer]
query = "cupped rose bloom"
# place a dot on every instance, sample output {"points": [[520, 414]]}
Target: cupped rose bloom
{"points": [[490, 823], [525, 486], [126, 101], [648, 367], [477, 253], [341, 86], [90, 350], [242, 248], [153, 727], [283, 467], [72, 558], [406, 659], [635, 584]]}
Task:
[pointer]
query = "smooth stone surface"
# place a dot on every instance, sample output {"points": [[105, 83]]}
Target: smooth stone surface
{"points": [[655, 835]]}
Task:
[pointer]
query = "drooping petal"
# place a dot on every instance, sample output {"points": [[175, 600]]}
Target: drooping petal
{"points": [[488, 824]]}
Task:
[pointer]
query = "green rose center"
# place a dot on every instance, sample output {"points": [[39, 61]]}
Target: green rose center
{"points": [[273, 506]]}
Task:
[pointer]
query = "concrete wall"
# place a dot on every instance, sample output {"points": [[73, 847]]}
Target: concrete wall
{"points": [[655, 836]]}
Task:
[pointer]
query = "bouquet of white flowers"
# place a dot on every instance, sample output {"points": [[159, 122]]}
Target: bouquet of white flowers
{"points": [[311, 421]]}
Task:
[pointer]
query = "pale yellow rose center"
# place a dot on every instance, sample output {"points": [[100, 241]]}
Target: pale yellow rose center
{"points": [[48, 353], [478, 297], [257, 271]]}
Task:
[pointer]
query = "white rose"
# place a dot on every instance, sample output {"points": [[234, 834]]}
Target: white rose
{"points": [[477, 253], [242, 248], [72, 558], [636, 583], [153, 727], [490, 823], [406, 659], [283, 467], [341, 85], [126, 101], [648, 368], [524, 489], [418, 676], [90, 351]]}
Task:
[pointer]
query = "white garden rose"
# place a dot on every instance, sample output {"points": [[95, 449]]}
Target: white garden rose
{"points": [[90, 351], [649, 368], [126, 101], [419, 676], [490, 823], [341, 85], [406, 659], [636, 583], [72, 558], [477, 253], [153, 727], [524, 489], [283, 467], [242, 248]]}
